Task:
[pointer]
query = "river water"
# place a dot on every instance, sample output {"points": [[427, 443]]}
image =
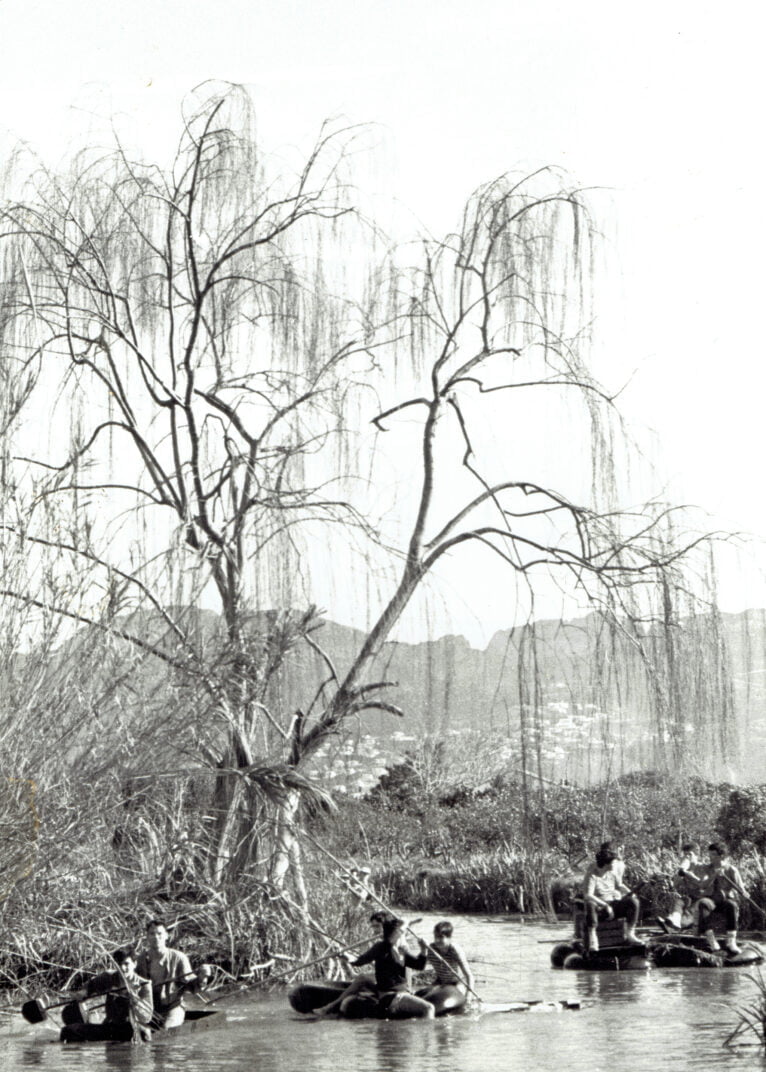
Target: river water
{"points": [[637, 1021]]}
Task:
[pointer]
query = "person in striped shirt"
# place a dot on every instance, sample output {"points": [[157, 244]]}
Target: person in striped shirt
{"points": [[450, 966]]}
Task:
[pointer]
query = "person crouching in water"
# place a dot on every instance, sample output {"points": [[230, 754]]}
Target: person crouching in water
{"points": [[721, 888], [393, 962], [128, 1007], [454, 978], [170, 973], [608, 898]]}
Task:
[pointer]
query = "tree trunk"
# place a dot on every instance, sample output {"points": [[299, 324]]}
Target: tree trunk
{"points": [[286, 857]]}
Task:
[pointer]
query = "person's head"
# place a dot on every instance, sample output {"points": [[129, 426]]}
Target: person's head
{"points": [[691, 848], [125, 959], [612, 846], [443, 932], [605, 857], [157, 935], [378, 918], [393, 929], [716, 851]]}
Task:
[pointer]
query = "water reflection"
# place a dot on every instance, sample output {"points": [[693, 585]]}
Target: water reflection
{"points": [[612, 986], [634, 1020], [33, 1056], [403, 1047]]}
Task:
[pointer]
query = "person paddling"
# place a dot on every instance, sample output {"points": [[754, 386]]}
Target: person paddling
{"points": [[453, 976], [393, 962], [128, 1007]]}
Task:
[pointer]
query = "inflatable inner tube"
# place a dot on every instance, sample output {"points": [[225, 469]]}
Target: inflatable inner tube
{"points": [[692, 951], [749, 954], [560, 952], [619, 958], [308, 997], [445, 999]]}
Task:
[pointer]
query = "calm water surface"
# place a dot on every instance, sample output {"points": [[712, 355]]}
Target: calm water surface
{"points": [[637, 1021]]}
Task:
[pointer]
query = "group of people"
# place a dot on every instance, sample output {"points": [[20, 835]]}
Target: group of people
{"points": [[389, 992], [701, 890], [144, 991], [704, 888]]}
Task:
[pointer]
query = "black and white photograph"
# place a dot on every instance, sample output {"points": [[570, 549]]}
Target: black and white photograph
{"points": [[382, 536]]}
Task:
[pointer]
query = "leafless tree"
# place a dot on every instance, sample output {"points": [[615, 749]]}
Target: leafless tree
{"points": [[213, 336]]}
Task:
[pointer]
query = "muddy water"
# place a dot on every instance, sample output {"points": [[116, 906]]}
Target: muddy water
{"points": [[637, 1021]]}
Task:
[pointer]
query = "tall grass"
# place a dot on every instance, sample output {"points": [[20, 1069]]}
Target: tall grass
{"points": [[501, 880], [751, 1017]]}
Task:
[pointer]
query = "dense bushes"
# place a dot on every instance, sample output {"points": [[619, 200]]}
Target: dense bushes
{"points": [[493, 847], [644, 811], [742, 818]]}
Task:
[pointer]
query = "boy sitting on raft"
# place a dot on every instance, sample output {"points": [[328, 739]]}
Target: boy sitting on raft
{"points": [[453, 976], [606, 897], [687, 883], [720, 889], [393, 997]]}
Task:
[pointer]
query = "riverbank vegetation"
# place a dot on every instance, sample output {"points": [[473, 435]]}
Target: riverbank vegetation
{"points": [[216, 375], [457, 848], [479, 847]]}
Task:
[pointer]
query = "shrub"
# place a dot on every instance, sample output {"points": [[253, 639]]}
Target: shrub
{"points": [[741, 820]]}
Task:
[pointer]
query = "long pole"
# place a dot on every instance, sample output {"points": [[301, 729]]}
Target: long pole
{"points": [[383, 905], [317, 960], [742, 893]]}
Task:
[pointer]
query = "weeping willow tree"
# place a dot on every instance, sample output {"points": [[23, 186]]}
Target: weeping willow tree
{"points": [[223, 350]]}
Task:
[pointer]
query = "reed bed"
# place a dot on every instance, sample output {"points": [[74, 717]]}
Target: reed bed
{"points": [[505, 881], [502, 881], [751, 1017], [56, 933]]}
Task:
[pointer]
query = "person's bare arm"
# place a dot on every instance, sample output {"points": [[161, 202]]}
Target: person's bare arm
{"points": [[463, 965]]}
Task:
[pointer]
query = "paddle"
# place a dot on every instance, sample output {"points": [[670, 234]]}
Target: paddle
{"points": [[35, 1011]]}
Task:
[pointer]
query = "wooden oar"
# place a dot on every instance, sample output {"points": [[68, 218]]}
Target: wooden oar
{"points": [[36, 1010], [238, 985]]}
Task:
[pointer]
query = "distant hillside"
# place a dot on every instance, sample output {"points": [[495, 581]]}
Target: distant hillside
{"points": [[588, 714], [589, 699]]}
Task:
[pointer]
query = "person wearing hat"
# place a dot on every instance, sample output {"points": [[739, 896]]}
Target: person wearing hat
{"points": [[358, 884]]}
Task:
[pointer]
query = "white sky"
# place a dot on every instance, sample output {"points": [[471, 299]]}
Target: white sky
{"points": [[660, 102]]}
